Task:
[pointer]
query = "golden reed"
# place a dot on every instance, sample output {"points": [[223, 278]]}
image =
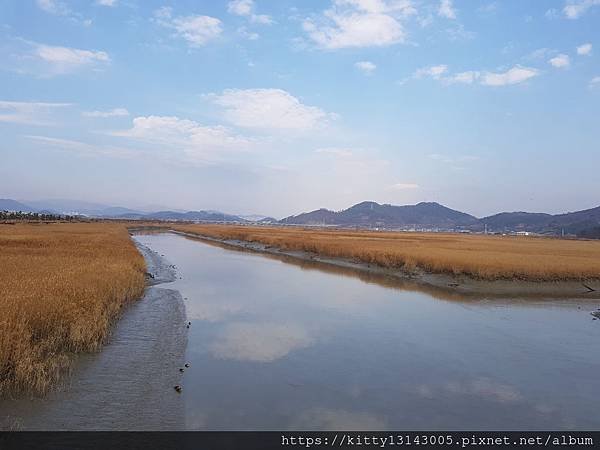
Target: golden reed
{"points": [[61, 288], [476, 256]]}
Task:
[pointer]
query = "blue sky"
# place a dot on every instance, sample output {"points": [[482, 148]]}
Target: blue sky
{"points": [[277, 107]]}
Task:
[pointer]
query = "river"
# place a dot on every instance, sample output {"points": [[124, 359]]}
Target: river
{"points": [[281, 344]]}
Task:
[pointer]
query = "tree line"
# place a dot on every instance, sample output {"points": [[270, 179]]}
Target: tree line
{"points": [[34, 216]]}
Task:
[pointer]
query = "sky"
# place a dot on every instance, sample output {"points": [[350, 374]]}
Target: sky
{"points": [[276, 106]]}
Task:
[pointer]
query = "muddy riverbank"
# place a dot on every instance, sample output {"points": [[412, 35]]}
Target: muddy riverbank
{"points": [[461, 285], [128, 385]]}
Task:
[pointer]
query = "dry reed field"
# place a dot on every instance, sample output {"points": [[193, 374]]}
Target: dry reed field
{"points": [[61, 287], [477, 256]]}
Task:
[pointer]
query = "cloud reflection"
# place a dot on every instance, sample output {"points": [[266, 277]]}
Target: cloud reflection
{"points": [[338, 420], [212, 312], [260, 342], [480, 387]]}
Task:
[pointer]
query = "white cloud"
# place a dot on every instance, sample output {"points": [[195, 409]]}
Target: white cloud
{"points": [[360, 23], [199, 143], [434, 72], [240, 7], [367, 67], [595, 81], [560, 61], [516, 75], [540, 53], [84, 148], [53, 7], [29, 113], [468, 77], [65, 59], [584, 49], [404, 186], [576, 8], [446, 9], [107, 2], [262, 19], [60, 8], [269, 109], [246, 34], [117, 112], [171, 128], [246, 8], [195, 29]]}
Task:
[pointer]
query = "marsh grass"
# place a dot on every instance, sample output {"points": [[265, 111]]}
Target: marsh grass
{"points": [[61, 288], [476, 256]]}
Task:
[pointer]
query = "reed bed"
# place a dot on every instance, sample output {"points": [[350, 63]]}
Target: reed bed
{"points": [[61, 288], [477, 256]]}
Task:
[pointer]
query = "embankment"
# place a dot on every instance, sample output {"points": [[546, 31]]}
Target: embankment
{"points": [[359, 251]]}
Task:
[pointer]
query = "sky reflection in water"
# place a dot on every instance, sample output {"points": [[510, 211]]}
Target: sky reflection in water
{"points": [[275, 345]]}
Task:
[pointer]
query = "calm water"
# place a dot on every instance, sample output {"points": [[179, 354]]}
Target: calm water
{"points": [[276, 345]]}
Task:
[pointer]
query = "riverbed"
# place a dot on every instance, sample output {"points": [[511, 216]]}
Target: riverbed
{"points": [[276, 343]]}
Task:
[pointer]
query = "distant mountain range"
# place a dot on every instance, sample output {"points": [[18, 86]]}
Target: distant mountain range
{"points": [[72, 207], [371, 214], [422, 216], [435, 216], [7, 204]]}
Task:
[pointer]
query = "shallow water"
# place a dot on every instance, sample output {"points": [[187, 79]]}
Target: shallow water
{"points": [[281, 345], [129, 384]]}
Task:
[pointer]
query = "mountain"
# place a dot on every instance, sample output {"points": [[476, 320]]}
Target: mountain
{"points": [[428, 215], [584, 223], [254, 217], [268, 220], [371, 214], [319, 217], [578, 219], [69, 206], [580, 223], [204, 216], [6, 204], [516, 221], [115, 211]]}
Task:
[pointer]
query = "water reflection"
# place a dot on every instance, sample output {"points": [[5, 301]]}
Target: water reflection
{"points": [[262, 342], [392, 282], [338, 420], [485, 388], [278, 343], [214, 312]]}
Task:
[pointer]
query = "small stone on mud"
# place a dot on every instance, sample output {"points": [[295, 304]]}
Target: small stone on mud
{"points": [[187, 364], [177, 388]]}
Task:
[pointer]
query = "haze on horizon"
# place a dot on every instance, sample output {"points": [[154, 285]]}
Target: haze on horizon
{"points": [[251, 106]]}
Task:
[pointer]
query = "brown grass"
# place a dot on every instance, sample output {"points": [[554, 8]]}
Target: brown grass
{"points": [[61, 287], [477, 256]]}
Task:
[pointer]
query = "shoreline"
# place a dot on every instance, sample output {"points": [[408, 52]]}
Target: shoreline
{"points": [[136, 370], [461, 285]]}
